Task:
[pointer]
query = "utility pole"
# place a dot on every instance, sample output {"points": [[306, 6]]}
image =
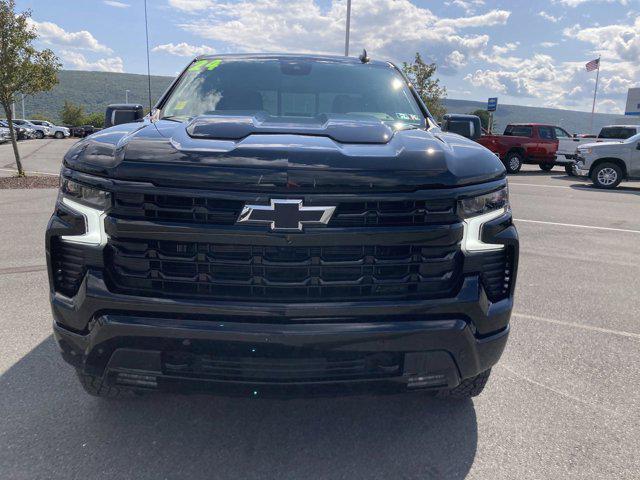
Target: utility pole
{"points": [[23, 114], [346, 40], [146, 26], [595, 94], [126, 96]]}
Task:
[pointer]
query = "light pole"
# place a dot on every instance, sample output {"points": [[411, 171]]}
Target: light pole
{"points": [[126, 96], [23, 114], [346, 40]]}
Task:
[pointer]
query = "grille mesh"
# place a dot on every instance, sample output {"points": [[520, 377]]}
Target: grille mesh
{"points": [[215, 211], [244, 272]]}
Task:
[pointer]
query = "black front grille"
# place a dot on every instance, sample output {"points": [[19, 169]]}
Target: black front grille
{"points": [[293, 368], [273, 274], [68, 264], [217, 211], [497, 271]]}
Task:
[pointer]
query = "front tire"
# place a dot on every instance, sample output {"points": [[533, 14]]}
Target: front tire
{"points": [[59, 135], [546, 167], [606, 175], [513, 162], [39, 135], [569, 170], [468, 388]]}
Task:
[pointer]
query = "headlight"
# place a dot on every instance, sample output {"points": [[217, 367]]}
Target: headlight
{"points": [[87, 195], [477, 211], [583, 151], [92, 204], [474, 206]]}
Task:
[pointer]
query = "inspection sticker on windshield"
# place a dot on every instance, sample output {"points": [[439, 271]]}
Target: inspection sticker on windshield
{"points": [[407, 116]]}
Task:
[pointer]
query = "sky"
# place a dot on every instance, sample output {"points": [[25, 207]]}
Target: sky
{"points": [[524, 52]]}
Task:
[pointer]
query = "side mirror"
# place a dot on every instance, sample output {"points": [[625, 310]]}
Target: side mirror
{"points": [[120, 113], [466, 128]]}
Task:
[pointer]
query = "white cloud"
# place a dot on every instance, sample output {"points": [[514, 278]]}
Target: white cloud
{"points": [[489, 19], [469, 6], [548, 44], [548, 16], [577, 3], [77, 61], [614, 42], [456, 60], [608, 106], [53, 34], [191, 5], [392, 29], [113, 3], [184, 49]]}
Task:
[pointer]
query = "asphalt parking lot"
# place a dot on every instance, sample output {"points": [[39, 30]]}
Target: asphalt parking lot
{"points": [[563, 403]]}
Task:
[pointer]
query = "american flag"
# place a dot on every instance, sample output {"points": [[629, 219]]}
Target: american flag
{"points": [[593, 65]]}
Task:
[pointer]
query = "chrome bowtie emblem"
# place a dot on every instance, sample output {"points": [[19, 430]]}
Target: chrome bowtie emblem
{"points": [[284, 214]]}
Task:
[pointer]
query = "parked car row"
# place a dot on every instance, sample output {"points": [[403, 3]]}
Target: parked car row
{"points": [[607, 158], [5, 136], [28, 129]]}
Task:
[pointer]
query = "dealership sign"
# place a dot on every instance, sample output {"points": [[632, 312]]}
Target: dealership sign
{"points": [[633, 102]]}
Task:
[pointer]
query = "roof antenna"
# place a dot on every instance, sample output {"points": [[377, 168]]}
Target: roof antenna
{"points": [[364, 58]]}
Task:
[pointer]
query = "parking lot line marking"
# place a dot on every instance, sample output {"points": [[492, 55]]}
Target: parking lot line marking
{"points": [[29, 269], [538, 185], [30, 171], [573, 225], [559, 392], [635, 336]]}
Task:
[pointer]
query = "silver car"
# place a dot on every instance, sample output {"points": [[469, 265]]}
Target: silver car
{"points": [[54, 130], [608, 163]]}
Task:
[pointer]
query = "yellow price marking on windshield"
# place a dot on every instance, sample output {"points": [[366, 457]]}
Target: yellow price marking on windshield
{"points": [[213, 64], [202, 64], [181, 105], [196, 67]]}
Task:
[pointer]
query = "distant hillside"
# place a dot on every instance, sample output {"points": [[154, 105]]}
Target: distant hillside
{"points": [[571, 120], [95, 90]]}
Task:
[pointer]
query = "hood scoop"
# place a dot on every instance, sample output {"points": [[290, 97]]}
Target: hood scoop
{"points": [[363, 129]]}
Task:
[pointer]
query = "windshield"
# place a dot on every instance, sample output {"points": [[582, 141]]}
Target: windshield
{"points": [[635, 138], [293, 88]]}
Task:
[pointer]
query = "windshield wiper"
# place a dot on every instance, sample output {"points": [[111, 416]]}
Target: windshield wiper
{"points": [[176, 118]]}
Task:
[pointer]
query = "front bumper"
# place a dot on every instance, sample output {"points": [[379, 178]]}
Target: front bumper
{"points": [[127, 342], [264, 348], [579, 168]]}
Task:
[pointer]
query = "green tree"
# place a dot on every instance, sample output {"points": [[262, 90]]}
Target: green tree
{"points": [[72, 114], [23, 69], [421, 76], [95, 119], [484, 119]]}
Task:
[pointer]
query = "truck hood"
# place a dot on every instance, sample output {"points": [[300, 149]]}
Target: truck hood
{"points": [[238, 152], [603, 146]]}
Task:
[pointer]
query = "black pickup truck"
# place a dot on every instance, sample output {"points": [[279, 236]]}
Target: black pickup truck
{"points": [[282, 225]]}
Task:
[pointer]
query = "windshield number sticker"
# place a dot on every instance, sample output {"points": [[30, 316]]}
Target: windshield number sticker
{"points": [[202, 64]]}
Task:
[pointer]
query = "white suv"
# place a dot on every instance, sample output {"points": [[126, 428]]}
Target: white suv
{"points": [[608, 163], [54, 130], [40, 130]]}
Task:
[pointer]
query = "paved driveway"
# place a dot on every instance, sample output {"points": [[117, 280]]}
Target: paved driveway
{"points": [[563, 403]]}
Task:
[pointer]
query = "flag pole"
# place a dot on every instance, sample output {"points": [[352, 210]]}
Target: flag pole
{"points": [[348, 29], [595, 94]]}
